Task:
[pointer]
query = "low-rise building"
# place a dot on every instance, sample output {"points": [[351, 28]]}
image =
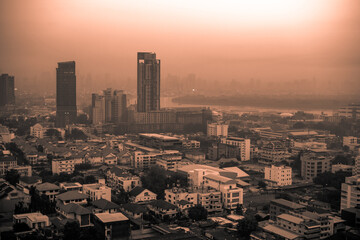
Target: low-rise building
{"points": [[76, 212], [104, 206], [65, 165], [273, 152], [34, 220], [278, 175], [37, 131], [280, 206], [97, 191], [306, 227], [350, 192], [49, 189], [72, 197], [313, 164], [75, 186], [342, 167], [190, 144], [133, 210], [217, 129], [112, 225], [24, 171], [141, 195], [162, 209], [6, 163], [351, 142], [120, 179]]}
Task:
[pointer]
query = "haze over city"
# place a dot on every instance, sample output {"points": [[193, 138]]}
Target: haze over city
{"points": [[292, 43]]}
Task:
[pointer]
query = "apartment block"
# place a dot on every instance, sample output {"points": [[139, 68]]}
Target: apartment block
{"points": [[278, 175]]}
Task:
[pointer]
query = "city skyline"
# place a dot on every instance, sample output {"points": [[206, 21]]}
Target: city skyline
{"points": [[317, 40]]}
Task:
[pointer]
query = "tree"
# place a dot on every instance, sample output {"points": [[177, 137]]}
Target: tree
{"points": [[89, 233], [156, 179], [262, 184], [198, 213], [120, 198], [12, 177], [20, 208], [228, 164], [21, 227], [53, 133], [82, 167], [89, 179], [239, 209], [246, 226], [71, 231], [331, 179]]}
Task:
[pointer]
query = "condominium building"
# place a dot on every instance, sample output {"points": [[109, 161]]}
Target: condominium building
{"points": [[239, 146], [37, 131], [273, 152], [313, 164], [350, 192], [6, 163], [278, 175], [351, 142], [65, 165], [217, 129]]}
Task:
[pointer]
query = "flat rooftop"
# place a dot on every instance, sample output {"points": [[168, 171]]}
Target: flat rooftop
{"points": [[281, 232], [111, 217], [159, 136], [287, 203]]}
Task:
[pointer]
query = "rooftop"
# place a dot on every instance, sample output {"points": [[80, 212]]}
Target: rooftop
{"points": [[290, 218], [136, 191], [287, 203], [71, 195], [220, 178], [105, 204], [47, 187], [111, 217], [281, 232], [159, 136]]}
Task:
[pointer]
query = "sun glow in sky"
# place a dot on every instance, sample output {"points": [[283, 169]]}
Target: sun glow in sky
{"points": [[241, 39]]}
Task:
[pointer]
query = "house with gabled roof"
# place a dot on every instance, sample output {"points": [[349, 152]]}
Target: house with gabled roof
{"points": [[141, 195], [162, 209], [49, 189], [133, 210], [104, 206], [76, 212], [72, 197]]}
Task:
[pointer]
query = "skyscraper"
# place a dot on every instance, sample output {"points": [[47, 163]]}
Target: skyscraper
{"points": [[66, 111], [118, 107], [108, 97], [98, 109], [7, 90], [148, 82]]}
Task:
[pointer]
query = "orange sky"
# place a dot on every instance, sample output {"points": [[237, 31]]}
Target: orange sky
{"points": [[267, 39]]}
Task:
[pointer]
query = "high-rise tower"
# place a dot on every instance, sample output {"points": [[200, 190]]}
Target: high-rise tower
{"points": [[66, 111], [108, 94], [7, 90], [148, 82], [98, 109]]}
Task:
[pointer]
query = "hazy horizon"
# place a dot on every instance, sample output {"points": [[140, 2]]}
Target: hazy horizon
{"points": [[274, 41]]}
